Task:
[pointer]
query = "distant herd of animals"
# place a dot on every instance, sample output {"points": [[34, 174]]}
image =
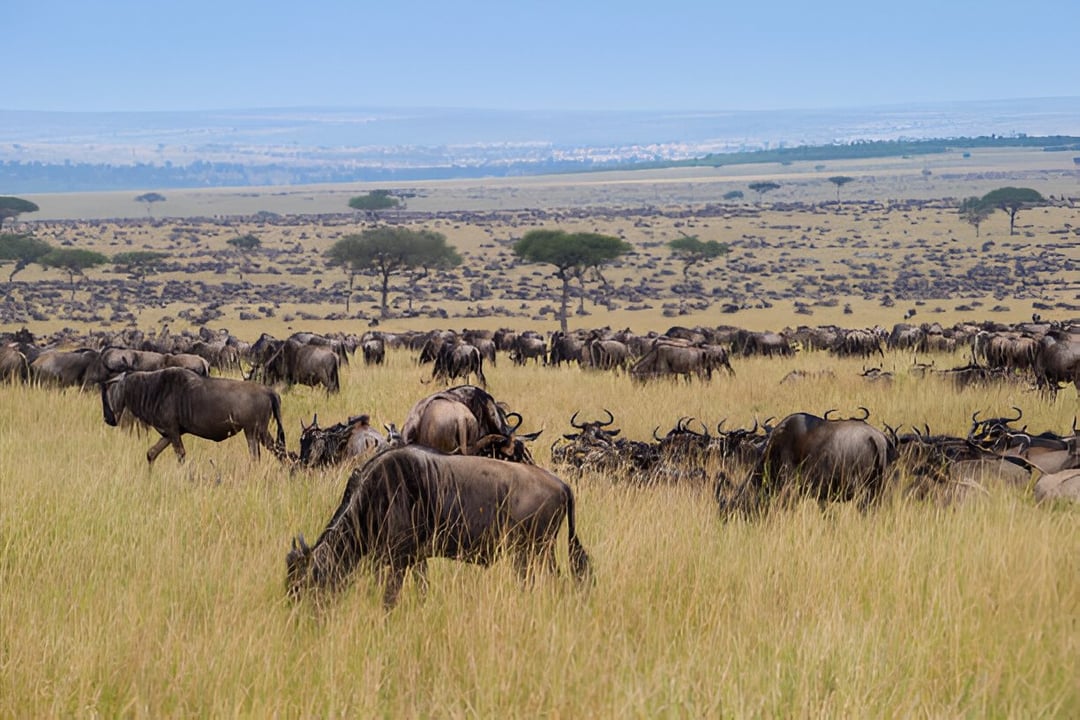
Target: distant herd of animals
{"points": [[458, 479]]}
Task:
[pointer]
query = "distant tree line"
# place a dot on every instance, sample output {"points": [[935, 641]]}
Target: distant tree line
{"points": [[41, 177]]}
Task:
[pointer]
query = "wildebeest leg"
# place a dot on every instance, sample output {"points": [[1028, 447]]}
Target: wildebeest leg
{"points": [[420, 571], [254, 440], [394, 579], [159, 446]]}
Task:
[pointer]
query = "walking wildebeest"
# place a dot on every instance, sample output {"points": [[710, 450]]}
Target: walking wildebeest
{"points": [[176, 401], [830, 460], [408, 504], [354, 441]]}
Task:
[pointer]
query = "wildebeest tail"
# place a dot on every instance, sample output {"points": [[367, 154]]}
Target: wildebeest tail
{"points": [[579, 559], [275, 406]]}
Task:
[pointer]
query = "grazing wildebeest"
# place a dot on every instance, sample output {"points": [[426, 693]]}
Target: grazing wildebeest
{"points": [[1057, 360], [459, 360], [409, 504], [176, 401], [830, 460], [352, 441], [63, 368], [523, 347], [294, 363], [675, 358]]}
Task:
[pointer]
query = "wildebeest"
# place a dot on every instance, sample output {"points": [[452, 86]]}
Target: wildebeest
{"points": [[458, 359], [63, 368], [112, 361], [1057, 360], [675, 358], [829, 460], [176, 401], [374, 349], [524, 347], [13, 364], [409, 504], [467, 420], [294, 363], [351, 441]]}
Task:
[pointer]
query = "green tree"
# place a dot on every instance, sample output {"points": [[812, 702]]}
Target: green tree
{"points": [[1012, 200], [571, 254], [245, 245], [840, 181], [691, 251], [973, 211], [733, 195], [763, 187], [374, 200], [21, 250], [150, 198], [73, 261], [388, 251], [139, 263], [13, 207]]}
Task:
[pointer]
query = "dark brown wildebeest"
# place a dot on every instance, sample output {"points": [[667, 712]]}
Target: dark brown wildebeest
{"points": [[352, 441], [811, 456], [115, 360], [374, 349], [63, 368], [525, 347], [176, 401], [466, 420], [673, 358], [1057, 360], [297, 364], [409, 504], [13, 364], [459, 360]]}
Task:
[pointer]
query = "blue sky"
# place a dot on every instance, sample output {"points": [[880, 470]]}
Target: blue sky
{"points": [[104, 55]]}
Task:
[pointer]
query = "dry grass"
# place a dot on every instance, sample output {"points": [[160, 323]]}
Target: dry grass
{"points": [[161, 593]]}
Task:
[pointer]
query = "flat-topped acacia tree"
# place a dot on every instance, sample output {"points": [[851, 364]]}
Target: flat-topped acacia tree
{"points": [[386, 251], [572, 254], [73, 261], [21, 250], [1012, 200], [13, 207]]}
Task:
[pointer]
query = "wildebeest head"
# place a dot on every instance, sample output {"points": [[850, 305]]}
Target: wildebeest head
{"points": [[594, 430], [510, 446], [298, 575], [112, 399]]}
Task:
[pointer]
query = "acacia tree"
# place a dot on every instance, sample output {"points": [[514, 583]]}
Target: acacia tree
{"points": [[21, 250], [13, 207], [840, 181], [73, 261], [245, 245], [572, 254], [387, 251], [973, 211], [691, 251], [150, 198], [763, 187], [1012, 200], [139, 263], [374, 200]]}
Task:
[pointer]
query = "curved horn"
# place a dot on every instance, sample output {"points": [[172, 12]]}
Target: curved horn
{"points": [[753, 431], [610, 420], [574, 424], [720, 425], [974, 415], [866, 413], [1019, 414], [516, 425], [303, 545], [927, 426], [830, 410], [656, 437]]}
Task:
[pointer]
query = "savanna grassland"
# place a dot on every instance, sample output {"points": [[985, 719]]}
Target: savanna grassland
{"points": [[128, 591]]}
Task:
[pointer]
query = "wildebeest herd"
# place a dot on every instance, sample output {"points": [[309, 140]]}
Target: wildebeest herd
{"points": [[458, 480]]}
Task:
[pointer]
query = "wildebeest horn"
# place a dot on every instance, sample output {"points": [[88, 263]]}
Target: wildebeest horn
{"points": [[303, 545], [826, 415], [866, 413], [516, 425], [974, 415], [754, 430], [610, 420], [574, 424], [720, 425], [1019, 414], [656, 437]]}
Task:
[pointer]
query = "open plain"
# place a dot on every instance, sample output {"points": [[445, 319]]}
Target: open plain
{"points": [[128, 591]]}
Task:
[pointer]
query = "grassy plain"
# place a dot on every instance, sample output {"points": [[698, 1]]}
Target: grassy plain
{"points": [[147, 593], [150, 593]]}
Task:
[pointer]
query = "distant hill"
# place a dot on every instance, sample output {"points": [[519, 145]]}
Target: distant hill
{"points": [[66, 152]]}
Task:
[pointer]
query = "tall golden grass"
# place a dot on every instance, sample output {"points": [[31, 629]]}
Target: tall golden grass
{"points": [[148, 593]]}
